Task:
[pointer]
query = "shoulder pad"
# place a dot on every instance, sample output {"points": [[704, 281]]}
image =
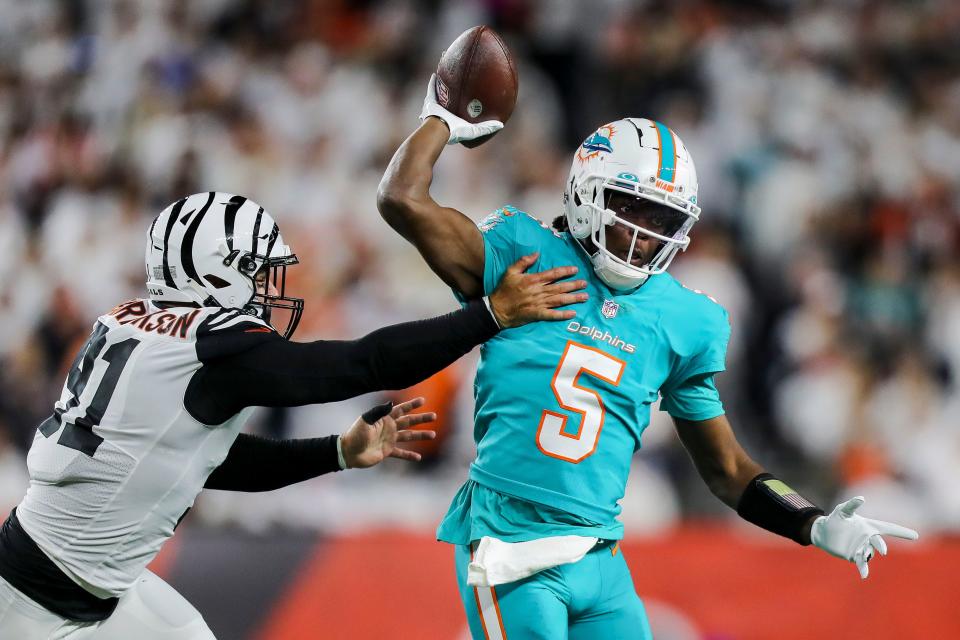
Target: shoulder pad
{"points": [[232, 320], [230, 331], [512, 215]]}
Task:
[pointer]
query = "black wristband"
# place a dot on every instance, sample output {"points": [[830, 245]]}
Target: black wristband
{"points": [[769, 503]]}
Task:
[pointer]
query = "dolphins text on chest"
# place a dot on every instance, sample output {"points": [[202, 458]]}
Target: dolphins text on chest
{"points": [[602, 336]]}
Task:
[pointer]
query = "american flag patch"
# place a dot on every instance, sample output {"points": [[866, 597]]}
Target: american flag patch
{"points": [[788, 495]]}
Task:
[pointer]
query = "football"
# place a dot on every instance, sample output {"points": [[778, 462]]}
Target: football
{"points": [[477, 79]]}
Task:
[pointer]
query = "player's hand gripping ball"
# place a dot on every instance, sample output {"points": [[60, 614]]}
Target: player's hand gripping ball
{"points": [[476, 81]]}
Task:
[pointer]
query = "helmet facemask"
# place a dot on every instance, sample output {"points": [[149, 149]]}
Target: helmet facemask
{"points": [[267, 273], [677, 215]]}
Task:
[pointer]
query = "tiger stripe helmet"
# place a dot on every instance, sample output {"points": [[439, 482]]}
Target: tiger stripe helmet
{"points": [[207, 250]]}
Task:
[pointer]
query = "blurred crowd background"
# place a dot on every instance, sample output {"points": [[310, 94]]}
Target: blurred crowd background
{"points": [[826, 136]]}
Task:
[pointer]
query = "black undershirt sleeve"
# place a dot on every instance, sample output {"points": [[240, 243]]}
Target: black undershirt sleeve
{"points": [[261, 464], [274, 372]]}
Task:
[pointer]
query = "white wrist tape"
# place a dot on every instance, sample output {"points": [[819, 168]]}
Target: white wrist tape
{"points": [[486, 302], [340, 459]]}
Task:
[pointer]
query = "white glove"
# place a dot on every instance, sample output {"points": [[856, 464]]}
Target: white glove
{"points": [[460, 129], [846, 535]]}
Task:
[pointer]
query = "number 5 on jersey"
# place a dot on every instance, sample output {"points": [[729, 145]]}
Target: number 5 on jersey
{"points": [[553, 439]]}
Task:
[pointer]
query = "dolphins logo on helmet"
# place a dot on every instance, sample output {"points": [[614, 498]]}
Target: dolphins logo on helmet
{"points": [[600, 141]]}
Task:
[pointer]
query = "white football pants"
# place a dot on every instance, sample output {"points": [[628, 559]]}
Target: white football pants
{"points": [[150, 610]]}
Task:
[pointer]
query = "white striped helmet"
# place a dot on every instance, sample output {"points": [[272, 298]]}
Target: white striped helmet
{"points": [[637, 157], [207, 249]]}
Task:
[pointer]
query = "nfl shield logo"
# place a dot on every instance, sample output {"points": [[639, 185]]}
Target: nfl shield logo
{"points": [[609, 308]]}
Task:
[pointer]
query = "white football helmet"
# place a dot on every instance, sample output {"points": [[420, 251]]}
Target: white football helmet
{"points": [[637, 157], [207, 249]]}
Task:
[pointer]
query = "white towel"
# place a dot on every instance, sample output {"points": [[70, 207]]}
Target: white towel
{"points": [[498, 562]]}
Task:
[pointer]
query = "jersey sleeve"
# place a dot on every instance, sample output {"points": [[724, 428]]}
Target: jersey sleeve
{"points": [[689, 393], [508, 233], [695, 399]]}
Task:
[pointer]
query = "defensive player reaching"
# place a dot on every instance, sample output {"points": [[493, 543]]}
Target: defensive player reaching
{"points": [[560, 408], [152, 406]]}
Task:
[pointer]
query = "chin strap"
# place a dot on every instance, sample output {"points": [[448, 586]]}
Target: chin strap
{"points": [[603, 267]]}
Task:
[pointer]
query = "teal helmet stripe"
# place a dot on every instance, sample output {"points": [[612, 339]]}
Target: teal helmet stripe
{"points": [[668, 153]]}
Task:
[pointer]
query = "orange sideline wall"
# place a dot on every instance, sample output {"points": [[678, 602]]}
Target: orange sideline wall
{"points": [[728, 585]]}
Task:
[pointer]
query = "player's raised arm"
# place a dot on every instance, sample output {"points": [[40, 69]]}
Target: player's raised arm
{"points": [[449, 241]]}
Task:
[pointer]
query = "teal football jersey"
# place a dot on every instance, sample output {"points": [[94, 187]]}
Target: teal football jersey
{"points": [[561, 406]]}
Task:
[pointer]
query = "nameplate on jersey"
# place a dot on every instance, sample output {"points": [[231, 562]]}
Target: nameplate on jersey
{"points": [[136, 314]]}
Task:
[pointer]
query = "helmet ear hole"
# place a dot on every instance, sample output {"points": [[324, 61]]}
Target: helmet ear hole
{"points": [[216, 281]]}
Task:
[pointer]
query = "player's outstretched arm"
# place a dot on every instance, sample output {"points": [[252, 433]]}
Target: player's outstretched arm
{"points": [[263, 464], [762, 499], [279, 373], [720, 460], [449, 241]]}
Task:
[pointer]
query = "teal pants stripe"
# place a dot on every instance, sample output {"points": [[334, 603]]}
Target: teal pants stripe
{"points": [[586, 600]]}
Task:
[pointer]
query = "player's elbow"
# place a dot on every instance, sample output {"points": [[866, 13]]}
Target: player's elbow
{"points": [[395, 203]]}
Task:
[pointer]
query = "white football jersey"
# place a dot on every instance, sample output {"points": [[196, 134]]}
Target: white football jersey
{"points": [[121, 460]]}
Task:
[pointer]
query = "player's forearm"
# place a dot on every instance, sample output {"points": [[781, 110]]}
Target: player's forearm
{"points": [[262, 464], [403, 355], [449, 241], [406, 182], [278, 373], [722, 463], [760, 498], [728, 483], [742, 484]]}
